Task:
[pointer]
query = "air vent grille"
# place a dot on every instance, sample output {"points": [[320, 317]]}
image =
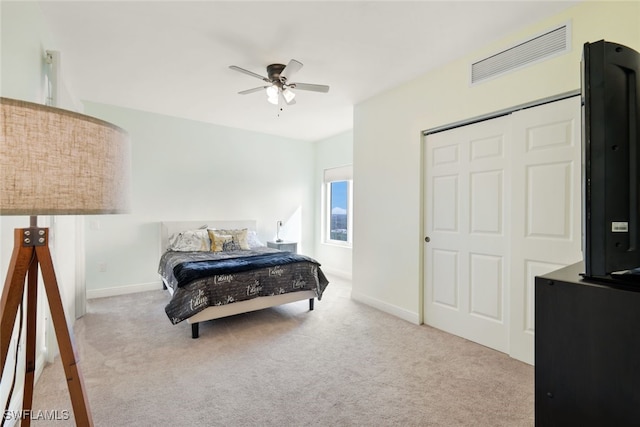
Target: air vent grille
{"points": [[533, 50]]}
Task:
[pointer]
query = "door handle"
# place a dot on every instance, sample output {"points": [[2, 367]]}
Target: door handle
{"points": [[427, 239]]}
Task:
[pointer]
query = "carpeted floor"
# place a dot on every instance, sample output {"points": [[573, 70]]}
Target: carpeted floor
{"points": [[343, 364]]}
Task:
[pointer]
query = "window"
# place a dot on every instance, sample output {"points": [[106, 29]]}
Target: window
{"points": [[338, 212], [338, 220]]}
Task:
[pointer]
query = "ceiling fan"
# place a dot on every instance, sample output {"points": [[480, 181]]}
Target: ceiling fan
{"points": [[279, 88]]}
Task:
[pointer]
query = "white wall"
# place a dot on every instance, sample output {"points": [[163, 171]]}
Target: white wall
{"points": [[330, 153], [188, 170], [388, 240]]}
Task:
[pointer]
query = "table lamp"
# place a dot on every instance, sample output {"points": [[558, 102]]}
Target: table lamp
{"points": [[53, 162]]}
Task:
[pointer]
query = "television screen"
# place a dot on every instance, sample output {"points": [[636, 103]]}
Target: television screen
{"points": [[611, 158]]}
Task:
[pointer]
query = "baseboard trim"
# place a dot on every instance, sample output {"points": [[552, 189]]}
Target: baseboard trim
{"points": [[41, 361], [123, 290], [338, 273], [387, 308]]}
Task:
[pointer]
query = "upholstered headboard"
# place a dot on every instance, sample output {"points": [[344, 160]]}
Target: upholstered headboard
{"points": [[169, 228]]}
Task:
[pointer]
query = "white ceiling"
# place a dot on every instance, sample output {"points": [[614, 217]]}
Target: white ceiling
{"points": [[173, 57]]}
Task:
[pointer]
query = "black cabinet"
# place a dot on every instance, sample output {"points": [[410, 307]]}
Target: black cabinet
{"points": [[587, 351]]}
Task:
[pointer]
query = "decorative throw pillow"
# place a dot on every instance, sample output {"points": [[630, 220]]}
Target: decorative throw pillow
{"points": [[220, 240], [253, 240], [190, 240]]}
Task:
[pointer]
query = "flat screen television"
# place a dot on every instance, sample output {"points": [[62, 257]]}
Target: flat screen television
{"points": [[611, 162]]}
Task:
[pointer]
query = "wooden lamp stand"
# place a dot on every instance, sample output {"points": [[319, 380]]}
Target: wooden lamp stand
{"points": [[31, 249]]}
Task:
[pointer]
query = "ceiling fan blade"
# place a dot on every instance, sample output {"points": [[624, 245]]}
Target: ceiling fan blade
{"points": [[255, 89], [311, 87], [292, 67], [250, 73]]}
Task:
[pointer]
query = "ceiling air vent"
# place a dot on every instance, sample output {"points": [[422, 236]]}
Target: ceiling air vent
{"points": [[543, 46]]}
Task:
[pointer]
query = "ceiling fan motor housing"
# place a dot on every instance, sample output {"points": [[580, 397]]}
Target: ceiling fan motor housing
{"points": [[273, 71]]}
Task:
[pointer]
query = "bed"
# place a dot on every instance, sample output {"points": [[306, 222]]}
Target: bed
{"points": [[214, 269]]}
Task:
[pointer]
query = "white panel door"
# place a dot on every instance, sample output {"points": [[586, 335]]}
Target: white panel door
{"points": [[546, 218], [502, 205], [467, 210]]}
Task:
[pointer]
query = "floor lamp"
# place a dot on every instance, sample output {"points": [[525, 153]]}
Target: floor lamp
{"points": [[53, 162]]}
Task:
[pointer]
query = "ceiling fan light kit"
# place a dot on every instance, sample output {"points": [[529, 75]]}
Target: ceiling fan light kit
{"points": [[288, 95], [279, 89], [272, 95]]}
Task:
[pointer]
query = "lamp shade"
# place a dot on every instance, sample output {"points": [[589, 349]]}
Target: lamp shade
{"points": [[58, 162]]}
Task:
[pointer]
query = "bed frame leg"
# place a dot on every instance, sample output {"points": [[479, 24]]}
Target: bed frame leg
{"points": [[310, 304], [195, 333]]}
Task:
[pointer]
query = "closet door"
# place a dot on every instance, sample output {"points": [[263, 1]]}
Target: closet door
{"points": [[502, 205], [467, 211], [546, 211]]}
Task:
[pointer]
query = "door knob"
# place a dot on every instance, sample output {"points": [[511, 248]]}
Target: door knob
{"points": [[427, 239]]}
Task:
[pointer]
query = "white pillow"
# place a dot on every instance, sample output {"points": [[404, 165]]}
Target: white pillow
{"points": [[253, 240], [190, 240]]}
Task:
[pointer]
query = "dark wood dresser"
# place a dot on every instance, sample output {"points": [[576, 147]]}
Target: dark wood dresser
{"points": [[587, 351]]}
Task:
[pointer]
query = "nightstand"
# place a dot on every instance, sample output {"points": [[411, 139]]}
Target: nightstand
{"points": [[284, 246]]}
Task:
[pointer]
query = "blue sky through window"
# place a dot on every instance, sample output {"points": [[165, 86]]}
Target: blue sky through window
{"points": [[339, 197]]}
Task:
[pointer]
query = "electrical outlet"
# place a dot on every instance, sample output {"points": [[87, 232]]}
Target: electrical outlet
{"points": [[102, 267]]}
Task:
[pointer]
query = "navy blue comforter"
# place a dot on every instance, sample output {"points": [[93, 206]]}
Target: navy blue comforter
{"points": [[187, 272]]}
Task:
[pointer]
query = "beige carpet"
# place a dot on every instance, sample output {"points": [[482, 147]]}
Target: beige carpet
{"points": [[344, 364]]}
